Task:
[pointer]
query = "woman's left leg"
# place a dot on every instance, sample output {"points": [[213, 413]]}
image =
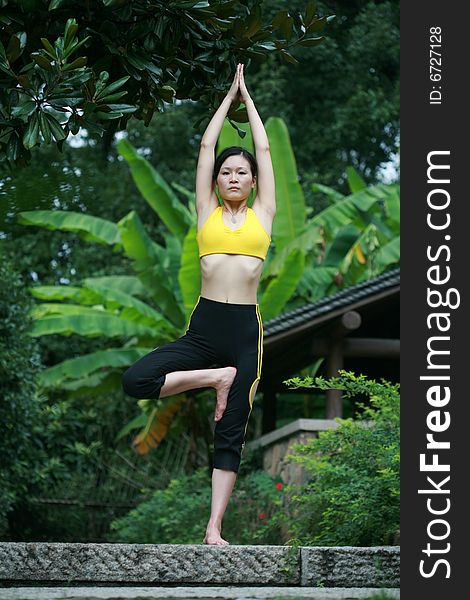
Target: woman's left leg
{"points": [[222, 484], [229, 441]]}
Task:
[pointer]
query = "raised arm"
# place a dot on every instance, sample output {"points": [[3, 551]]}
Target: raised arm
{"points": [[265, 188], [205, 194]]}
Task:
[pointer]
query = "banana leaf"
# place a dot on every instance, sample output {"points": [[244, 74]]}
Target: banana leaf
{"points": [[355, 181], [110, 299], [306, 241], [348, 210], [129, 284], [158, 424], [191, 196], [156, 191], [90, 229], [151, 263], [88, 365], [282, 288], [102, 382], [343, 241], [189, 276], [329, 192], [388, 255], [315, 281], [88, 322], [229, 137], [290, 218]]}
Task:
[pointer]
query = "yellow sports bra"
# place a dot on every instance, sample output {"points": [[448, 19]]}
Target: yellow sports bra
{"points": [[215, 237]]}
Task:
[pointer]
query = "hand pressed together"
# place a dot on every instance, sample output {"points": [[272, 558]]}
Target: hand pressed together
{"points": [[238, 90]]}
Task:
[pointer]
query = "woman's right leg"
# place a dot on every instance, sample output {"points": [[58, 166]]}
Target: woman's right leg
{"points": [[176, 367], [180, 381], [220, 379]]}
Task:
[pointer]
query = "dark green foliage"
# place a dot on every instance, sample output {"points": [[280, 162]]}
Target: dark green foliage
{"points": [[341, 103], [353, 493], [51, 447], [95, 65], [35, 449], [19, 408], [179, 513]]}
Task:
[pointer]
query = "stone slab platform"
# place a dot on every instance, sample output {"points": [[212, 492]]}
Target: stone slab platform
{"points": [[55, 563], [345, 566], [188, 593]]}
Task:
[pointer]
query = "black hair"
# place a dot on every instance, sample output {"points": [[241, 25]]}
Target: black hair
{"points": [[233, 151]]}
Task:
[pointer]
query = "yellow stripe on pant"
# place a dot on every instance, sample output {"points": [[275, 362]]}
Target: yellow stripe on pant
{"points": [[258, 369], [195, 306]]}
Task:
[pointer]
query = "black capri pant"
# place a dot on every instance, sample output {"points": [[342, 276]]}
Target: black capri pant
{"points": [[222, 334]]}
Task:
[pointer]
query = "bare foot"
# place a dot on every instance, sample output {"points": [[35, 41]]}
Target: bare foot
{"points": [[213, 535], [223, 385]]}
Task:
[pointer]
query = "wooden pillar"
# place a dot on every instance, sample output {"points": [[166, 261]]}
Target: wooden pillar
{"points": [[334, 362], [348, 322], [269, 410]]}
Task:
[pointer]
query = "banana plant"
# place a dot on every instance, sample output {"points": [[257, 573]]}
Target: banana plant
{"points": [[152, 306], [355, 238]]}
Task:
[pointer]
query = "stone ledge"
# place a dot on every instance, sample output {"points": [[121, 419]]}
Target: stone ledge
{"points": [[103, 564], [377, 566], [188, 593], [147, 563]]}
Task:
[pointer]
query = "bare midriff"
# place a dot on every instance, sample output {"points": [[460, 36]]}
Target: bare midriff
{"points": [[230, 278]]}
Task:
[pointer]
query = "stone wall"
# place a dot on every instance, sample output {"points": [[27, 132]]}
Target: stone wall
{"points": [[277, 445]]}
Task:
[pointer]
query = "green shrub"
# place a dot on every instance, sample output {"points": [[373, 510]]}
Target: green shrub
{"points": [[179, 513], [352, 496], [20, 464], [40, 448]]}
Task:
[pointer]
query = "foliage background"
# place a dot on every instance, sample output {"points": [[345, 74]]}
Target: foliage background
{"points": [[341, 108]]}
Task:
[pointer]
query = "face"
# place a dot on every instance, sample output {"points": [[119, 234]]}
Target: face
{"points": [[235, 172]]}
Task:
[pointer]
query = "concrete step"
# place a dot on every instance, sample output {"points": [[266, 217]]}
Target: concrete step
{"points": [[201, 593], [53, 564]]}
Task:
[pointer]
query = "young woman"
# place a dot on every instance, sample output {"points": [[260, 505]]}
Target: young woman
{"points": [[225, 326]]}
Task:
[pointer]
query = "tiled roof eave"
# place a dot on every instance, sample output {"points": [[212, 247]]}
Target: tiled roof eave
{"points": [[310, 315]]}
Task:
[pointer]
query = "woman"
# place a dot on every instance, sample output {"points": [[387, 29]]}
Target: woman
{"points": [[225, 326]]}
